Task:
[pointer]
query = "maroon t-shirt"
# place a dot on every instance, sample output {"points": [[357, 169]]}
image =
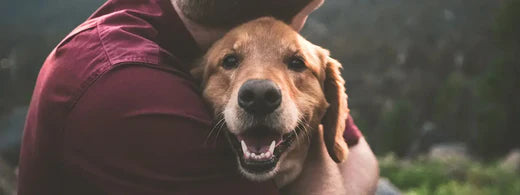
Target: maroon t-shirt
{"points": [[114, 111]]}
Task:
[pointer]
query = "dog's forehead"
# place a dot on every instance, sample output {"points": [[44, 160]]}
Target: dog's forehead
{"points": [[268, 35], [250, 40], [268, 41]]}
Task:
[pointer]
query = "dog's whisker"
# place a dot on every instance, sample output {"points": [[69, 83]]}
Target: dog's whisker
{"points": [[298, 137], [306, 133], [301, 127], [217, 124], [215, 127], [219, 130], [295, 131], [305, 125]]}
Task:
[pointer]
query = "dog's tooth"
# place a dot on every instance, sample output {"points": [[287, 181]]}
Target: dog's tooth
{"points": [[244, 146], [247, 154], [271, 147], [262, 155], [267, 154]]}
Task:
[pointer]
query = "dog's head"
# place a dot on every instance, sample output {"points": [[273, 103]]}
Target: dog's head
{"points": [[272, 87]]}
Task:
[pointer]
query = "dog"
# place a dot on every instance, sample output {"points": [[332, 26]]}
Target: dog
{"points": [[274, 90]]}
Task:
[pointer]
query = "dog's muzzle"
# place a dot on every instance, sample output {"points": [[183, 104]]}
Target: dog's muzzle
{"points": [[260, 146]]}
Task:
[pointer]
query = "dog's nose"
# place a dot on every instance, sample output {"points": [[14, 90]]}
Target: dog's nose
{"points": [[259, 96]]}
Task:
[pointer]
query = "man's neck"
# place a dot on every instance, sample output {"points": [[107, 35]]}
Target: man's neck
{"points": [[203, 35]]}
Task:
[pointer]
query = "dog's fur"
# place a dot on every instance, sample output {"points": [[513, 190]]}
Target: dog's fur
{"points": [[311, 97]]}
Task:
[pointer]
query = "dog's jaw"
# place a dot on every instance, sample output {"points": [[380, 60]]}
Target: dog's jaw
{"points": [[287, 170], [257, 177]]}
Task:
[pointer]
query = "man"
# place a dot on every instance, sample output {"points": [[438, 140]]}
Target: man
{"points": [[115, 111]]}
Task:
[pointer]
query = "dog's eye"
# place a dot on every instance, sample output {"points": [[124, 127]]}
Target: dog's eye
{"points": [[296, 64], [230, 62]]}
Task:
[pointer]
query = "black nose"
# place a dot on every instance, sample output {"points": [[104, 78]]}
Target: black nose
{"points": [[259, 96]]}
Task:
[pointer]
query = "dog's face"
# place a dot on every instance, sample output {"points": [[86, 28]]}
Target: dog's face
{"points": [[272, 88]]}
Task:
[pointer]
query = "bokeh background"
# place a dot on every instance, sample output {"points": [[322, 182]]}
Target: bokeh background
{"points": [[433, 85]]}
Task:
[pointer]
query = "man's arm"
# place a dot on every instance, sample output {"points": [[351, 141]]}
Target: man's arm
{"points": [[358, 175], [140, 130], [360, 171]]}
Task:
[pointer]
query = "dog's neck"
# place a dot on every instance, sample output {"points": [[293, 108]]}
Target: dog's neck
{"points": [[203, 35]]}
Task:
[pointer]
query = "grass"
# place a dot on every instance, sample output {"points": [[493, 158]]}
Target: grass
{"points": [[423, 176]]}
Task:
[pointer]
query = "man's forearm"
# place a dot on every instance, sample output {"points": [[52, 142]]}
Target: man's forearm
{"points": [[361, 171], [321, 175]]}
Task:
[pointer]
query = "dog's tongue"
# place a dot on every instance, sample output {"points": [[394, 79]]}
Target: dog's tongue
{"points": [[259, 142]]}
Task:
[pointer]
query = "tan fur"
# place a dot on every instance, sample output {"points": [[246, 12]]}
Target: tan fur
{"points": [[314, 95]]}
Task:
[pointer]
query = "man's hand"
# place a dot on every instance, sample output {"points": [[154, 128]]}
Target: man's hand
{"points": [[358, 175]]}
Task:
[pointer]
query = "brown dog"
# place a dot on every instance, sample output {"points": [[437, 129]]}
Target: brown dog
{"points": [[273, 89]]}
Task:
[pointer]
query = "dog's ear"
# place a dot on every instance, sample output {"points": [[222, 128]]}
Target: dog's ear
{"points": [[197, 71], [337, 112]]}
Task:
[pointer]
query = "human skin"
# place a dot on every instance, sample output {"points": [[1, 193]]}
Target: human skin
{"points": [[359, 173]]}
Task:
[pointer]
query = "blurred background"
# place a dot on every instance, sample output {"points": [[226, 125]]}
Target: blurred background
{"points": [[433, 85]]}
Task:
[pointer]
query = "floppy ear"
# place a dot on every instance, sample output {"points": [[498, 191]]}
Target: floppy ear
{"points": [[197, 71], [337, 112]]}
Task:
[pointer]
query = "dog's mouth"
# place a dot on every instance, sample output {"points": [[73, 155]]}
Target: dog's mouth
{"points": [[260, 148]]}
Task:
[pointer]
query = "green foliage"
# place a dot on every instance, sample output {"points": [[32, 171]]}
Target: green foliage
{"points": [[497, 88], [415, 64], [420, 175], [398, 124], [454, 187], [462, 177], [453, 104], [507, 27]]}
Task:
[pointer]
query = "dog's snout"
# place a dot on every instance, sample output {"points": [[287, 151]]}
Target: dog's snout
{"points": [[259, 96]]}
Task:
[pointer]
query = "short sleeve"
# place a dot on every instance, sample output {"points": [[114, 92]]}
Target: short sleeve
{"points": [[140, 130], [352, 132]]}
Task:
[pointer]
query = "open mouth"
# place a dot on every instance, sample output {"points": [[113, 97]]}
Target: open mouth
{"points": [[260, 148]]}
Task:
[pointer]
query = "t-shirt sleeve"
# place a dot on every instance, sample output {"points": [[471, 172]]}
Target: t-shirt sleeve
{"points": [[140, 130], [352, 132]]}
